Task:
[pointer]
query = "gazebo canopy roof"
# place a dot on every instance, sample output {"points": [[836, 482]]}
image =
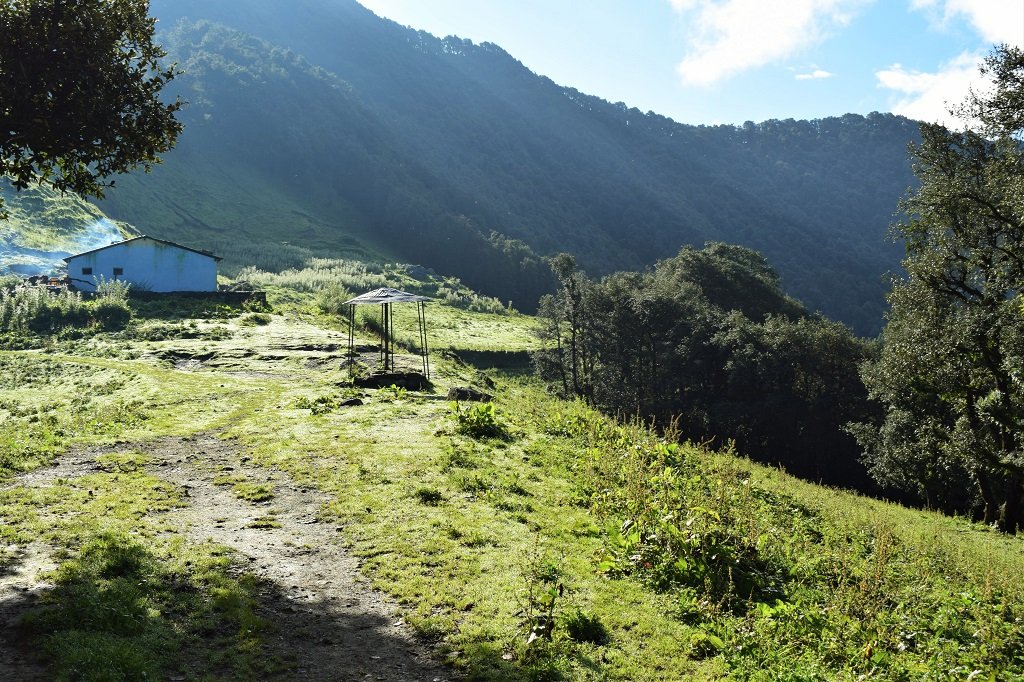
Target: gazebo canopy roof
{"points": [[386, 295]]}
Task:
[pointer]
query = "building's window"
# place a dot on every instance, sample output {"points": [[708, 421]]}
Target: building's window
{"points": [[118, 272], [86, 271]]}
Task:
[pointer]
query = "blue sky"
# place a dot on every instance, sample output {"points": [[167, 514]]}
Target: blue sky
{"points": [[728, 61]]}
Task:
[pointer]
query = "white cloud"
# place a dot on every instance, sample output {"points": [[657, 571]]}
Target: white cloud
{"points": [[928, 96], [730, 36], [817, 74], [996, 21]]}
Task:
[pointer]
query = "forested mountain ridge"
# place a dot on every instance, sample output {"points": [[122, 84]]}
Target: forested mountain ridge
{"points": [[422, 148]]}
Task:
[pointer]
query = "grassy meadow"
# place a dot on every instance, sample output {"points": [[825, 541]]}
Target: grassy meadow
{"points": [[524, 539]]}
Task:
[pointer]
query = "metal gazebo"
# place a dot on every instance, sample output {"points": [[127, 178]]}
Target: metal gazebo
{"points": [[385, 297]]}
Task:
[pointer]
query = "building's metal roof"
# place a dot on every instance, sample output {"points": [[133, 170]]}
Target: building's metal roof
{"points": [[152, 239], [386, 295]]}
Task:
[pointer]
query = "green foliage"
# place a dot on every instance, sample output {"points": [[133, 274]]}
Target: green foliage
{"points": [[256, 319], [331, 281], [824, 584], [253, 492], [392, 394], [478, 420], [325, 404], [123, 609], [36, 310], [169, 308], [89, 71], [617, 187], [8, 282], [429, 496], [950, 368], [585, 627], [708, 342], [684, 531], [544, 593], [111, 315], [113, 290], [163, 331], [331, 300], [780, 589]]}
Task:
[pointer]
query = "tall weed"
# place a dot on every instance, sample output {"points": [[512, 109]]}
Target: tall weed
{"points": [[778, 589]]}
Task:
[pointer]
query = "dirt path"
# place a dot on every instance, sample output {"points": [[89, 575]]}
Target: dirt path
{"points": [[327, 622]]}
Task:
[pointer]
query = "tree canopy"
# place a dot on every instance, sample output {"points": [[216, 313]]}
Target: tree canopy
{"points": [[951, 372], [80, 84], [708, 344]]}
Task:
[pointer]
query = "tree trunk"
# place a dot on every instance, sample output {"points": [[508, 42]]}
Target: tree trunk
{"points": [[561, 365], [988, 497], [1010, 519]]}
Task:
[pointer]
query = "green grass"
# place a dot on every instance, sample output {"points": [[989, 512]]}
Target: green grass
{"points": [[247, 490], [223, 214], [130, 599], [624, 557], [458, 329], [43, 218]]}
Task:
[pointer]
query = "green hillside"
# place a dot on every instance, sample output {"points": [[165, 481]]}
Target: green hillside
{"points": [[185, 512], [322, 124], [246, 485], [43, 226]]}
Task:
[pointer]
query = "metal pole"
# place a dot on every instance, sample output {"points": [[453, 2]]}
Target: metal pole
{"points": [[351, 340], [423, 328], [389, 350], [383, 335]]}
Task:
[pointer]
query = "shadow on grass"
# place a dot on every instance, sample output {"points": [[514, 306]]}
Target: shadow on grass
{"points": [[118, 612], [175, 307], [17, 661]]}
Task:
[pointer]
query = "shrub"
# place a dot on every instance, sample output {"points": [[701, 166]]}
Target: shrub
{"points": [[111, 314], [392, 393], [585, 627], [256, 319], [332, 300], [429, 496], [113, 290], [479, 420]]}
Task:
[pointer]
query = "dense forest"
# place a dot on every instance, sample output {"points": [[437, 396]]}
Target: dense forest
{"points": [[707, 344], [378, 137]]}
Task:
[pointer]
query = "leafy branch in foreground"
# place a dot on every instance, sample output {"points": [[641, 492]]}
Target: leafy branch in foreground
{"points": [[80, 87]]}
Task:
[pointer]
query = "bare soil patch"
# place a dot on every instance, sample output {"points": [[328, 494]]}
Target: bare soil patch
{"points": [[327, 623]]}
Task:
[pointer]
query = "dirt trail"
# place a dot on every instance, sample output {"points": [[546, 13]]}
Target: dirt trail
{"points": [[328, 624]]}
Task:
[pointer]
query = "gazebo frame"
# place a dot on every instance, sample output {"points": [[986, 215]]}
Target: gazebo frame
{"points": [[386, 297]]}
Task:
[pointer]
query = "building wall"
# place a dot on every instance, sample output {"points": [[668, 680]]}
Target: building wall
{"points": [[148, 265]]}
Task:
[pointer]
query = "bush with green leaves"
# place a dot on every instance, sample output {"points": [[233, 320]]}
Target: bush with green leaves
{"points": [[255, 319], [392, 394], [479, 420], [37, 310], [111, 315], [331, 300], [774, 586], [113, 290], [545, 589]]}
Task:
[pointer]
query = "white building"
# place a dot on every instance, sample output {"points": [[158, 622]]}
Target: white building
{"points": [[149, 264]]}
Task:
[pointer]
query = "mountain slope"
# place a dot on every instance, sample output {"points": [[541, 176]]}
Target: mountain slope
{"points": [[420, 148], [43, 226]]}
